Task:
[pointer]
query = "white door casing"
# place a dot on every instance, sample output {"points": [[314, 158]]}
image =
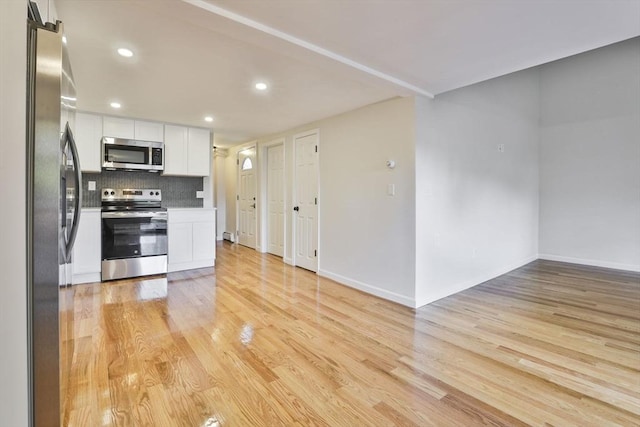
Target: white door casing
{"points": [[275, 200], [246, 199], [306, 200]]}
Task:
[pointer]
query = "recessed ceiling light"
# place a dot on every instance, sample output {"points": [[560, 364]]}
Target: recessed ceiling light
{"points": [[115, 105], [125, 52], [261, 86], [208, 119]]}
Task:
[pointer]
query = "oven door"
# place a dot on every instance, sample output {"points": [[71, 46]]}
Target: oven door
{"points": [[133, 234]]}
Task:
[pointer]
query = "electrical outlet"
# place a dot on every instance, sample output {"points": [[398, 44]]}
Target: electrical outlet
{"points": [[199, 194], [501, 148], [92, 186], [391, 189]]}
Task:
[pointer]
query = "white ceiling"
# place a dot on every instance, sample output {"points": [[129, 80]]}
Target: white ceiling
{"points": [[320, 57]]}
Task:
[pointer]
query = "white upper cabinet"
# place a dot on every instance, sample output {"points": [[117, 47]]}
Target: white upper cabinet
{"points": [[187, 151], [87, 136], [175, 150], [149, 131], [117, 127], [199, 152]]}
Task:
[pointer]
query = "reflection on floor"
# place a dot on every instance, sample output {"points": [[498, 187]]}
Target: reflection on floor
{"points": [[255, 342]]}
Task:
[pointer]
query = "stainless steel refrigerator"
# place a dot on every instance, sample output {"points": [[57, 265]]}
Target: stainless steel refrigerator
{"points": [[53, 207]]}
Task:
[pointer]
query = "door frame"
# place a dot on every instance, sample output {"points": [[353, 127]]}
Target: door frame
{"points": [[254, 145], [295, 192], [263, 200]]}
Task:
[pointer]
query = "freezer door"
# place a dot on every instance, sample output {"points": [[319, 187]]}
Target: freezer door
{"points": [[43, 206]]}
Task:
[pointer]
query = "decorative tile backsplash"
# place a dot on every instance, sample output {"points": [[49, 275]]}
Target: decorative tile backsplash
{"points": [[177, 191]]}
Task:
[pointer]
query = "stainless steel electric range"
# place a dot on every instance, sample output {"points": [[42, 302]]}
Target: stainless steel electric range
{"points": [[134, 233]]}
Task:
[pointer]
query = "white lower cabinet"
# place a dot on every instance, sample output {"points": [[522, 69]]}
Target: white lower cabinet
{"points": [[87, 248], [204, 240], [192, 238], [180, 243]]}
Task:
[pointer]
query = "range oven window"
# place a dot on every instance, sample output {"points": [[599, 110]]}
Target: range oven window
{"points": [[129, 237]]}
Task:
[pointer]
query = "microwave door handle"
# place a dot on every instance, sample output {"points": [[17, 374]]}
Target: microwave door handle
{"points": [[78, 188]]}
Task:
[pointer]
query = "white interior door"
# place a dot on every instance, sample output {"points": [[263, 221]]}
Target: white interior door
{"points": [[247, 197], [306, 201], [275, 197]]}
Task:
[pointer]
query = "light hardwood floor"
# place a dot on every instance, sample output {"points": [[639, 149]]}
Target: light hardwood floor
{"points": [[259, 343]]}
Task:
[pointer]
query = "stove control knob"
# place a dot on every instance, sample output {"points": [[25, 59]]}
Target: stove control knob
{"points": [[106, 193], [157, 193], [151, 193], [113, 193]]}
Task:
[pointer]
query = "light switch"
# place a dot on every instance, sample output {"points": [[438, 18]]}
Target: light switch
{"points": [[391, 189], [92, 186], [199, 194]]}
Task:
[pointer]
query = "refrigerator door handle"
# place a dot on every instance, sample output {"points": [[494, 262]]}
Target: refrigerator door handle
{"points": [[78, 187]]}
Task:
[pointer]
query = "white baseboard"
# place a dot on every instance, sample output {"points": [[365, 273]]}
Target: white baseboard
{"points": [[86, 278], [191, 265], [373, 290], [288, 261], [459, 287], [591, 262], [450, 290]]}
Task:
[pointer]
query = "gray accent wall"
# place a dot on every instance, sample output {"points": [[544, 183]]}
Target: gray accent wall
{"points": [[177, 191]]}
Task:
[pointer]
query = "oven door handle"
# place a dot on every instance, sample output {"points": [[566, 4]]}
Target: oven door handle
{"points": [[158, 215]]}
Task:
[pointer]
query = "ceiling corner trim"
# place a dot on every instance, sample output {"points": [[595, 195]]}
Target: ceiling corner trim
{"points": [[306, 45]]}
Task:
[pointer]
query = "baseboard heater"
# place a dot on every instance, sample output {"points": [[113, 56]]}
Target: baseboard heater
{"points": [[227, 236]]}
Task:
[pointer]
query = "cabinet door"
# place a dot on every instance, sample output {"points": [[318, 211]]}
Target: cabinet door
{"points": [[88, 134], [175, 150], [180, 243], [118, 128], [87, 250], [149, 131], [199, 152], [204, 240]]}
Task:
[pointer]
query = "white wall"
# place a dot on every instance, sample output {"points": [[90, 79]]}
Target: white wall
{"points": [[13, 315], [220, 192], [476, 212], [590, 158], [476, 207], [366, 238], [230, 184]]}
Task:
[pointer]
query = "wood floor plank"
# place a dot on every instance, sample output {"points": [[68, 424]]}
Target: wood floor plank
{"points": [[256, 342]]}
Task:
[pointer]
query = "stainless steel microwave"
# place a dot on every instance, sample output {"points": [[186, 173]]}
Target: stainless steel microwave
{"points": [[128, 154]]}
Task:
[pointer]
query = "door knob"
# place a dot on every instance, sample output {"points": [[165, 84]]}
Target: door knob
{"points": [[253, 205], [296, 208]]}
